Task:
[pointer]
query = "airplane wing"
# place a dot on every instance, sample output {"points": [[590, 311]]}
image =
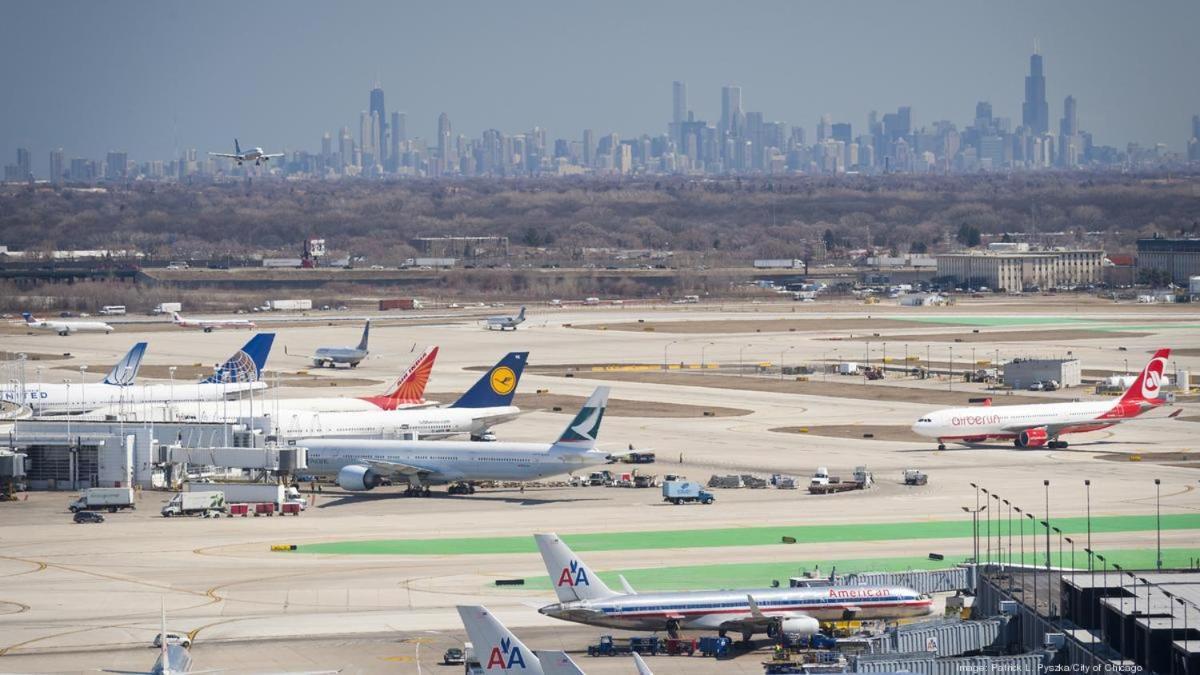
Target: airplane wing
{"points": [[395, 467], [277, 154], [223, 154]]}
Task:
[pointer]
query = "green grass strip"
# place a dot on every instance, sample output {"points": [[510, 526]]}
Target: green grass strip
{"points": [[742, 536]]}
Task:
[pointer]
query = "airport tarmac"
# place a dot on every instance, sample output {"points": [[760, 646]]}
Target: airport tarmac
{"points": [[74, 598]]}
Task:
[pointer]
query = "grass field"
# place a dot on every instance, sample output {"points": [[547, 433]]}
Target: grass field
{"points": [[741, 536]]}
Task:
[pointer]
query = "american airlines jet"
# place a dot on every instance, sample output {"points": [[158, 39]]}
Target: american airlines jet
{"points": [[584, 598], [499, 651], [1040, 424]]}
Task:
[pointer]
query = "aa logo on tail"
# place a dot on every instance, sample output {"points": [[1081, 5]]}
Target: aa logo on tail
{"points": [[503, 380], [574, 575], [506, 656]]}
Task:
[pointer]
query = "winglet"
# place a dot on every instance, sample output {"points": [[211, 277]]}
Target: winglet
{"points": [[125, 371], [497, 386], [625, 584]]}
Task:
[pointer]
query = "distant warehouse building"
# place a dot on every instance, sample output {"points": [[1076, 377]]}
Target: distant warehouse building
{"points": [[1178, 257], [1021, 373], [1018, 271]]}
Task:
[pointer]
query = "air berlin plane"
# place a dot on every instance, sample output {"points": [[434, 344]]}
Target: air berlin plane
{"points": [[1040, 424]]}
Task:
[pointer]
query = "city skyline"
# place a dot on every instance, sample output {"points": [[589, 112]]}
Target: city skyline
{"points": [[1116, 104]]}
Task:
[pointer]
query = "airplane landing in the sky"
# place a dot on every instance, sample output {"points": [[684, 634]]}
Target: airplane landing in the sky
{"points": [[254, 154]]}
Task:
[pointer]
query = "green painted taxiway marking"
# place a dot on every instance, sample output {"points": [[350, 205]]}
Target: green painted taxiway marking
{"points": [[760, 575], [739, 536]]}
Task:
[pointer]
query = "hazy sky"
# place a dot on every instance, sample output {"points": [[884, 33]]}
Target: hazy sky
{"points": [[153, 77]]}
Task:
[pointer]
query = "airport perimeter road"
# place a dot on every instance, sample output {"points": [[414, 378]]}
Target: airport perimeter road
{"points": [[76, 597]]}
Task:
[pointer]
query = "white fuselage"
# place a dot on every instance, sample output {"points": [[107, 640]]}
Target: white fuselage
{"points": [[708, 610], [210, 325], [449, 461], [55, 398], [1006, 421], [64, 327]]}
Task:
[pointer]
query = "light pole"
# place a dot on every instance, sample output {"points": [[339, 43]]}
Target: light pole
{"points": [[986, 497], [975, 530], [704, 346], [1046, 483], [1158, 523], [82, 388], [1072, 543], [1008, 509], [1104, 567], [1087, 489], [171, 370], [781, 353], [999, 540], [1035, 559], [665, 347], [950, 379]]}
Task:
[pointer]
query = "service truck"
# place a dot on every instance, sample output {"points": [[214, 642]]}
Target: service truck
{"points": [[255, 493], [97, 499], [168, 307], [288, 305], [685, 492], [207, 503]]}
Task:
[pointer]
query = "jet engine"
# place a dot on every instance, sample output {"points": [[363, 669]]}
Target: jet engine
{"points": [[357, 478], [1032, 438], [795, 625]]}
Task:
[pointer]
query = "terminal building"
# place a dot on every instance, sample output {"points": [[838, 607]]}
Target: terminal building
{"points": [[1180, 258], [1021, 373], [1022, 270]]}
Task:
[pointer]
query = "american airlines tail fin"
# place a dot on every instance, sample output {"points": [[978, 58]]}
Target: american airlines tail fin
{"points": [[126, 370], [247, 364], [1146, 388], [571, 578], [580, 435], [175, 318], [498, 650], [409, 388], [557, 663], [497, 386], [362, 344]]}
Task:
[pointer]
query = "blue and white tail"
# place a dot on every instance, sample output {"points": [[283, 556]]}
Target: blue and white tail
{"points": [[247, 364], [571, 578], [496, 648], [125, 371], [521, 314], [28, 318], [237, 147], [581, 434], [497, 386]]}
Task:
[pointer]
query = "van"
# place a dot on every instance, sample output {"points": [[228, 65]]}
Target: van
{"points": [[112, 310]]}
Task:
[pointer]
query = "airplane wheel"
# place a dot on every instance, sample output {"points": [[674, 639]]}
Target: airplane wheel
{"points": [[208, 330], [353, 365], [941, 446]]}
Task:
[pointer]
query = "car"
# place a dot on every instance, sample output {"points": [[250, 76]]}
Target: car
{"points": [[453, 656], [1037, 386], [84, 517], [173, 639]]}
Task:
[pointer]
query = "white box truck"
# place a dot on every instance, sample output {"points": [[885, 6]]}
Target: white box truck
{"points": [[95, 499], [257, 493], [167, 308], [289, 305], [208, 503]]}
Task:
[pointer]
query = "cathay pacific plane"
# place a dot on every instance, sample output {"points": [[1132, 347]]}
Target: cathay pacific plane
{"points": [[1041, 424], [240, 373], [362, 465], [584, 598]]}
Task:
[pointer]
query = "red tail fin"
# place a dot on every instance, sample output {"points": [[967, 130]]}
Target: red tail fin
{"points": [[409, 388], [1146, 386]]}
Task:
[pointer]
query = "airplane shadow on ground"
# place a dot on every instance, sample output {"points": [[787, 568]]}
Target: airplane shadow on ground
{"points": [[333, 500]]}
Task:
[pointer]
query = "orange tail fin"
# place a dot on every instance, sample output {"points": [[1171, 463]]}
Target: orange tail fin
{"points": [[409, 388]]}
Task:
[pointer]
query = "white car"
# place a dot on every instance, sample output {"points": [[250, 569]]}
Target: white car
{"points": [[172, 639]]}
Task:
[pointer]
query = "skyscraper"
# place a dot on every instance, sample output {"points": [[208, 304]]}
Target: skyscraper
{"points": [[1069, 125], [56, 165], [1193, 146], [679, 100], [589, 148], [1035, 112], [731, 109], [379, 140], [445, 150], [24, 163], [115, 165]]}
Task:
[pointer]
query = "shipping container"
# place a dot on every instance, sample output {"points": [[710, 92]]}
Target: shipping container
{"points": [[289, 305], [399, 303]]}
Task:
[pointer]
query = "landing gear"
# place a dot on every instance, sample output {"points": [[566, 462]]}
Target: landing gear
{"points": [[417, 491], [461, 489], [1057, 445], [941, 446], [673, 629]]}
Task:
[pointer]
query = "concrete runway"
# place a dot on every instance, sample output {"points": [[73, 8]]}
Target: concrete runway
{"points": [[74, 598]]}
